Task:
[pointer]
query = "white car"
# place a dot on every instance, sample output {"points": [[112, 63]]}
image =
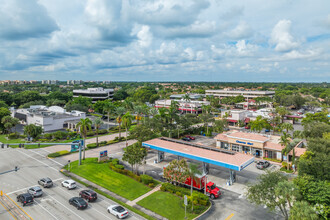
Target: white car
{"points": [[118, 211], [70, 184]]}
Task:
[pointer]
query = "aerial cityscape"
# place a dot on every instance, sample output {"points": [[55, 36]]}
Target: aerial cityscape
{"points": [[203, 109]]}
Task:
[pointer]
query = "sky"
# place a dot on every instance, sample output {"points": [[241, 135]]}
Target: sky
{"points": [[165, 40]]}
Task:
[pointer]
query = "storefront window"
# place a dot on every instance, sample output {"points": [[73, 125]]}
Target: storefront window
{"points": [[224, 145], [235, 148], [246, 149]]}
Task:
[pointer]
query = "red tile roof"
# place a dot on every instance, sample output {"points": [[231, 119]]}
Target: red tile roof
{"points": [[273, 146], [238, 159], [298, 151]]}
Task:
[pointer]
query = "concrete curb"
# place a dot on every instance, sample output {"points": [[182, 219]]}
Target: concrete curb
{"points": [[201, 215]]}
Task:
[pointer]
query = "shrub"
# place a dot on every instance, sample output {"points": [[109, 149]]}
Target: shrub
{"points": [[43, 140], [90, 133], [103, 143], [13, 136], [284, 164], [48, 136], [178, 194], [151, 185], [60, 135], [22, 136], [103, 131], [146, 179], [118, 166], [58, 153], [272, 159], [90, 146], [115, 161]]}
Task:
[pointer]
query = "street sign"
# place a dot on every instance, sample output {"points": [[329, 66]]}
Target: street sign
{"points": [[185, 200], [103, 156]]}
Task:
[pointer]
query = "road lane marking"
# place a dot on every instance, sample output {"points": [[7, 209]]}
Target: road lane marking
{"points": [[29, 187], [38, 160], [65, 207], [47, 158], [89, 205], [8, 210], [230, 216], [18, 206], [46, 210]]}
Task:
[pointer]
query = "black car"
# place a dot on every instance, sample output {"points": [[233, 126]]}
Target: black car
{"points": [[88, 194], [78, 202], [45, 182], [25, 198], [262, 164], [185, 139]]}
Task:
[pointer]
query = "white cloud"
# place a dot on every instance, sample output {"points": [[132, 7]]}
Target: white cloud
{"points": [[296, 55], [242, 30], [281, 37], [145, 37]]}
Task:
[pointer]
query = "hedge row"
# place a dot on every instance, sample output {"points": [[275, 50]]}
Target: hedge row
{"points": [[15, 135], [103, 143], [198, 198], [145, 179], [58, 153], [271, 159]]}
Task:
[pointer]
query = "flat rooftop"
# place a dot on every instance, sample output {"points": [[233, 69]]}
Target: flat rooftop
{"points": [[242, 92], [233, 160]]}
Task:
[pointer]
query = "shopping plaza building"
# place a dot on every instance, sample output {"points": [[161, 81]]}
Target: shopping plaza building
{"points": [[258, 145]]}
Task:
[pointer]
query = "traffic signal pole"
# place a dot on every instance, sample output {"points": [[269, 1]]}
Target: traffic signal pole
{"points": [[16, 168]]}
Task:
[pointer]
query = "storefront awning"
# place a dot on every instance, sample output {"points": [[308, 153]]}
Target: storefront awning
{"points": [[232, 120]]}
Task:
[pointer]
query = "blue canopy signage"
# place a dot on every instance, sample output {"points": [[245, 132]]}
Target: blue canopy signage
{"points": [[242, 142]]}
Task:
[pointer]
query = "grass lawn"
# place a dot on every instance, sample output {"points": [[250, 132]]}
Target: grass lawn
{"points": [[166, 204], [4, 140], [103, 176]]}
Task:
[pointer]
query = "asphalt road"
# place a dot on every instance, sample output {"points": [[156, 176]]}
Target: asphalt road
{"points": [[54, 203]]}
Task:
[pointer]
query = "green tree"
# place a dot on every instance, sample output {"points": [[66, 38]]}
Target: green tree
{"points": [[317, 117], [142, 132], [127, 122], [97, 124], [3, 112], [110, 109], [134, 155], [268, 191], [259, 124], [9, 122], [32, 130], [191, 173], [176, 171], [220, 125], [285, 141], [120, 111], [303, 211], [287, 126], [281, 111], [138, 109], [316, 129], [3, 104], [84, 125]]}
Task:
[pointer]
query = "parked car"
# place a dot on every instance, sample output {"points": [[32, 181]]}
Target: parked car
{"points": [[247, 127], [25, 199], [88, 194], [185, 139], [35, 191], [70, 184], [190, 137], [118, 211], [262, 164], [267, 130], [45, 182], [78, 202]]}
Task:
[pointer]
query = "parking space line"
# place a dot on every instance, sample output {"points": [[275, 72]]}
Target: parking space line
{"points": [[29, 187], [65, 207], [46, 210], [47, 157], [18, 206], [230, 216], [38, 160]]}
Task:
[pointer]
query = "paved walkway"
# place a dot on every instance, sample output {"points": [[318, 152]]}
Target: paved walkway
{"points": [[131, 203]]}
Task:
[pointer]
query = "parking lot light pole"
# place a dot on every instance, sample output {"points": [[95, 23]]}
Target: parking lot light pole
{"points": [[69, 165], [79, 144]]}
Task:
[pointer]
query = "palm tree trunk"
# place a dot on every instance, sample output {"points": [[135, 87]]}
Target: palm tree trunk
{"points": [[119, 130], [126, 136], [191, 190], [97, 137], [108, 121], [84, 148]]}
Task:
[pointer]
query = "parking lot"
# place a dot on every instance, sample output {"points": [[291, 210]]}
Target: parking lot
{"points": [[54, 202]]}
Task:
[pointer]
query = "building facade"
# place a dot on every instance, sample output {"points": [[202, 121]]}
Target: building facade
{"points": [[194, 107], [49, 118], [254, 144], [96, 94], [246, 94]]}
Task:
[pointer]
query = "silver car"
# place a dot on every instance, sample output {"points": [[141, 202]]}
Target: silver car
{"points": [[35, 191]]}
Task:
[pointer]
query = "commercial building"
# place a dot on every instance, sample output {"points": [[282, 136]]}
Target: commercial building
{"points": [[50, 82], [254, 144], [96, 94], [246, 94], [49, 118], [184, 106], [74, 82], [191, 96]]}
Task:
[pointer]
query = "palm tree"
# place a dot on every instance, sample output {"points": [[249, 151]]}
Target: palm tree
{"points": [[153, 111], [138, 110], [285, 141], [84, 125], [120, 111], [110, 109], [281, 111], [127, 121], [287, 127], [258, 124], [191, 173], [128, 105], [97, 122], [145, 112], [186, 97]]}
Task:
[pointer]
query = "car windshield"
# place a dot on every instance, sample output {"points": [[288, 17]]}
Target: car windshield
{"points": [[38, 190], [213, 186], [120, 209]]}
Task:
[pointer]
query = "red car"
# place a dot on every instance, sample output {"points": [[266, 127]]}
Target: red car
{"points": [[190, 137], [89, 195]]}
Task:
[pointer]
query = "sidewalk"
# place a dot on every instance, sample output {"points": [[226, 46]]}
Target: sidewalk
{"points": [[132, 203]]}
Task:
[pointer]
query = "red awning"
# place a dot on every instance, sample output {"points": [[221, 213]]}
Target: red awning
{"points": [[293, 116], [231, 120], [247, 120]]}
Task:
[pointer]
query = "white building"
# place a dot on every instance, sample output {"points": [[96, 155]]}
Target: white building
{"points": [[191, 96], [246, 94], [49, 118], [184, 106], [96, 94], [74, 82], [49, 82]]}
